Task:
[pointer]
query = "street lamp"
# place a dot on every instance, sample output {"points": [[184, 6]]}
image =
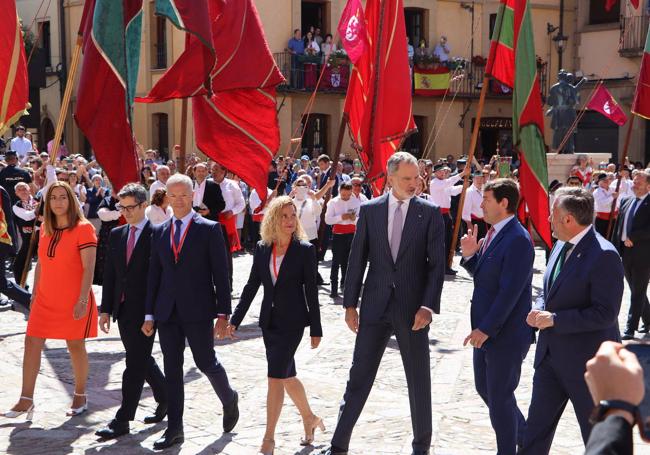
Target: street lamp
{"points": [[560, 41]]}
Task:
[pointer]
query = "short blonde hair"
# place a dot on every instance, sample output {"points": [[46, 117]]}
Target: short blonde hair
{"points": [[270, 229]]}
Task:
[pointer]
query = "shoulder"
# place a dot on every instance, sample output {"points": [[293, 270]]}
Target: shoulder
{"points": [[159, 228], [603, 245], [85, 226], [116, 232], [304, 245], [375, 202], [425, 203]]}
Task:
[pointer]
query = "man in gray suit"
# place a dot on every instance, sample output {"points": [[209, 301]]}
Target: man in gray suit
{"points": [[402, 237]]}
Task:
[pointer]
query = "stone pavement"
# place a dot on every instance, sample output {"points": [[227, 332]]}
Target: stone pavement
{"points": [[460, 420]]}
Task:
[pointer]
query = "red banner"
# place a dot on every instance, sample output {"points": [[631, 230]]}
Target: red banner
{"points": [[352, 30], [604, 102]]}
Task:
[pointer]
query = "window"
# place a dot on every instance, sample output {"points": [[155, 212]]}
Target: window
{"points": [[159, 44], [313, 14], [414, 144], [160, 133], [493, 21], [414, 18], [45, 42], [598, 14], [314, 141]]}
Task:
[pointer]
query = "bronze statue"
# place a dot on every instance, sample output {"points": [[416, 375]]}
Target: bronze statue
{"points": [[563, 99]]}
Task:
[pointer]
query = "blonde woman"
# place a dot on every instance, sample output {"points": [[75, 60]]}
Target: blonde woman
{"points": [[285, 264]]}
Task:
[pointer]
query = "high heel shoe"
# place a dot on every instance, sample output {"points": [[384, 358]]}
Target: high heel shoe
{"points": [[272, 441], [317, 422], [73, 412], [11, 414]]}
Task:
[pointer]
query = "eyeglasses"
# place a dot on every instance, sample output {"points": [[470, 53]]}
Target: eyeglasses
{"points": [[127, 208]]}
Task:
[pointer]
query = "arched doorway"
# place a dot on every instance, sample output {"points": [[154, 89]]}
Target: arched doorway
{"points": [[47, 134]]}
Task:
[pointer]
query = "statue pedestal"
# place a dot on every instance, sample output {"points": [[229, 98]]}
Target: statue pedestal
{"points": [[559, 165]]}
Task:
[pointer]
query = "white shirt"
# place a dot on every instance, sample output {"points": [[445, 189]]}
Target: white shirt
{"points": [[21, 146], [26, 214], [156, 186], [362, 197], [625, 190], [309, 212], [575, 240], [254, 201], [441, 192], [472, 206], [233, 196], [156, 215], [628, 216], [603, 200], [197, 196], [337, 207], [439, 51], [278, 263]]}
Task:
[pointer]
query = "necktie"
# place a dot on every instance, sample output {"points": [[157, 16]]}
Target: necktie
{"points": [[560, 261], [130, 243], [396, 234], [177, 232], [630, 216], [487, 240]]}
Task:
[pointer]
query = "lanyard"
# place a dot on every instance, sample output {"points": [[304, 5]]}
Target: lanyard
{"points": [[177, 249]]}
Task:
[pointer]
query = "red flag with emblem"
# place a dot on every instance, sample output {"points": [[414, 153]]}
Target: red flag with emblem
{"points": [[352, 30], [604, 102]]}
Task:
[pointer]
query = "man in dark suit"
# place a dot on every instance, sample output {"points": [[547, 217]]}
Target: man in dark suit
{"points": [[502, 298], [402, 237], [126, 266], [632, 238], [207, 199], [187, 289], [577, 311]]}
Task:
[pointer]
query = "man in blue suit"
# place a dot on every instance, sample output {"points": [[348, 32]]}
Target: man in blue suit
{"points": [[502, 267], [577, 312], [402, 238], [188, 288]]}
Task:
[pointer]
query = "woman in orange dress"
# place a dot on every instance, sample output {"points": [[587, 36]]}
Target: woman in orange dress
{"points": [[63, 306]]}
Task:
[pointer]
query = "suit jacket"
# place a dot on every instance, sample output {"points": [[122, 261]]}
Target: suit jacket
{"points": [[293, 299], [213, 200], [586, 298], [640, 234], [197, 286], [7, 208], [502, 295], [122, 281], [612, 436], [415, 279]]}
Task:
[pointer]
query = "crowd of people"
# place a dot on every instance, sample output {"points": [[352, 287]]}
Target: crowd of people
{"points": [[163, 249]]}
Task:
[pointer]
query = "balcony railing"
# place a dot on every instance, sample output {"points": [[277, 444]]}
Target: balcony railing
{"points": [[302, 73], [633, 35]]}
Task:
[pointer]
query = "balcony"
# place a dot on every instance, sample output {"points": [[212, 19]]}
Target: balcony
{"points": [[463, 78], [633, 35]]}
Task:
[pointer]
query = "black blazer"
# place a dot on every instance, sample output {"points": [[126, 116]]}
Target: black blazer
{"points": [[125, 280], [7, 208], [294, 298], [640, 235], [612, 436], [213, 200]]}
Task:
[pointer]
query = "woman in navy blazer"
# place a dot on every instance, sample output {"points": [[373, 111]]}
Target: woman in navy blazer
{"points": [[284, 263]]}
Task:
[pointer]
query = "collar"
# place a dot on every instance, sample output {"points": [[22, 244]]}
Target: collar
{"points": [[200, 185], [186, 219], [501, 224], [642, 198], [140, 226], [576, 239], [392, 200]]}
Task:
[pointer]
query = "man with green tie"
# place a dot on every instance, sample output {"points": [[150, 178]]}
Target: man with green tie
{"points": [[577, 311]]}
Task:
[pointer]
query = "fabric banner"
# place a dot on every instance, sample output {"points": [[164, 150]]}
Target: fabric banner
{"points": [[641, 103], [335, 77], [352, 30], [431, 82], [604, 102]]}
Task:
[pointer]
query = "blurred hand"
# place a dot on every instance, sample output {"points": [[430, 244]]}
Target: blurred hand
{"points": [[105, 322], [531, 319], [469, 244], [147, 328], [220, 329], [629, 243], [544, 320], [615, 374], [230, 332], [79, 310], [476, 339], [352, 319], [422, 319], [315, 342]]}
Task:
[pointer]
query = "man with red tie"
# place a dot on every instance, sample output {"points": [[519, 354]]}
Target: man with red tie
{"points": [[123, 296]]}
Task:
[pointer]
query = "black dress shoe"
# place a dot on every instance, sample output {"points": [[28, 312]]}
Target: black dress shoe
{"points": [[115, 429], [159, 415], [333, 451], [5, 305], [231, 414], [169, 439], [644, 329], [451, 272], [627, 337]]}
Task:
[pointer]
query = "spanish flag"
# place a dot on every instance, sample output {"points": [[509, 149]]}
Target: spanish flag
{"points": [[431, 82], [14, 88]]}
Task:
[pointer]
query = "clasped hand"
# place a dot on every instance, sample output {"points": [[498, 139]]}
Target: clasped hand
{"points": [[540, 319]]}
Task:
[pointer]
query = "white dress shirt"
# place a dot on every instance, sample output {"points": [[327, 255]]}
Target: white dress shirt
{"points": [[603, 200], [197, 196], [21, 146], [576, 239], [628, 216], [278, 263], [625, 190], [309, 212], [25, 214], [472, 206], [441, 191], [254, 201], [337, 207], [233, 196]]}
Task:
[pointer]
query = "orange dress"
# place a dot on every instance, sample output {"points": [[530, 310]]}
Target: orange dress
{"points": [[57, 290]]}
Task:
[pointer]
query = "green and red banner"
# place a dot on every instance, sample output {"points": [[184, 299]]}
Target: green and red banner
{"points": [[431, 81], [111, 31], [512, 62], [14, 87], [641, 103]]}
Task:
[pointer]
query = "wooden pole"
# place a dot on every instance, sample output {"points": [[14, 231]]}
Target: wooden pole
{"points": [[470, 158], [60, 125], [181, 152], [612, 211]]}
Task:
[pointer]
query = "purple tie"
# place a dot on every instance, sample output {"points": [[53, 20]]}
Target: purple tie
{"points": [[130, 244]]}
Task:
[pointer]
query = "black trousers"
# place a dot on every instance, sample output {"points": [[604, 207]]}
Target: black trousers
{"points": [[140, 367], [199, 335], [10, 288], [21, 257], [601, 226], [369, 348], [449, 232], [637, 274], [228, 254], [255, 234], [341, 244], [324, 241], [316, 244]]}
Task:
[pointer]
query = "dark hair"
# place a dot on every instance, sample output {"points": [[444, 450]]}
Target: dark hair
{"points": [[134, 190], [577, 202], [329, 35], [158, 196], [345, 186], [324, 157], [504, 189], [645, 173], [296, 30]]}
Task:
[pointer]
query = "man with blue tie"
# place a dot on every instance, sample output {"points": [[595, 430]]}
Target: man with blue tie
{"points": [[502, 267], [402, 237], [576, 313], [126, 266], [188, 289], [632, 238]]}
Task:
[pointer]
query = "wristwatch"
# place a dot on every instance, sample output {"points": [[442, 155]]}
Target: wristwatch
{"points": [[600, 412]]}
